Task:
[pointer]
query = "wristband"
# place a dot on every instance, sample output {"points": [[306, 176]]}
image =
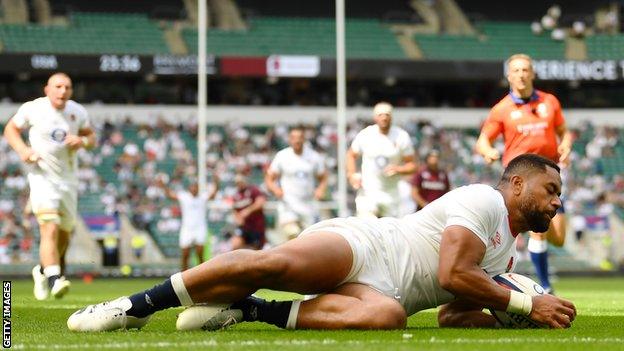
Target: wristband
{"points": [[520, 303], [85, 141]]}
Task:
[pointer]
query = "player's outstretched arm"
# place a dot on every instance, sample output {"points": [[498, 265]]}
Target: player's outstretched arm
{"points": [[464, 314], [461, 251]]}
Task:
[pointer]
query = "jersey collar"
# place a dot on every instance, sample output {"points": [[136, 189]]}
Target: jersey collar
{"points": [[518, 100]]}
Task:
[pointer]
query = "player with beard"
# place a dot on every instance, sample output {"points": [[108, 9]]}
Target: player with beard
{"points": [[372, 273]]}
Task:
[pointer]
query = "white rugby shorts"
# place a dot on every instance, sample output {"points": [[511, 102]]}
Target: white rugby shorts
{"points": [[52, 201], [377, 204], [375, 262], [196, 236], [304, 213]]}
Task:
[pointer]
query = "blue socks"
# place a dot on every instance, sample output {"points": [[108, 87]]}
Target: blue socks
{"points": [[256, 309], [158, 298], [539, 256]]}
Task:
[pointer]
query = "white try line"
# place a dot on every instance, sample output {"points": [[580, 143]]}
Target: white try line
{"points": [[325, 342]]}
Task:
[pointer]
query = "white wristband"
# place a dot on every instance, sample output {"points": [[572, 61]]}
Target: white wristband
{"points": [[520, 303]]}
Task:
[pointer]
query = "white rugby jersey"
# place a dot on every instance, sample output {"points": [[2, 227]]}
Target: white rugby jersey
{"points": [[378, 151], [478, 207], [409, 247], [297, 173], [193, 210], [48, 129]]}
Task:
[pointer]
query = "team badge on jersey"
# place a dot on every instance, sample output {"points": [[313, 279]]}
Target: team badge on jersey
{"points": [[515, 114], [542, 110], [58, 135], [381, 161]]}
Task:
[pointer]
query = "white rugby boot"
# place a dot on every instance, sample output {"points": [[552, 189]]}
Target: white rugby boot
{"points": [[105, 316], [208, 317], [60, 287], [40, 290]]}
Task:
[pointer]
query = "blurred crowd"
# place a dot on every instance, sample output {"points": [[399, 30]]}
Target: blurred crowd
{"points": [[126, 172]]}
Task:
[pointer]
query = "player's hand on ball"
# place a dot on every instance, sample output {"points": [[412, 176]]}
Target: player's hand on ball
{"points": [[553, 311]]}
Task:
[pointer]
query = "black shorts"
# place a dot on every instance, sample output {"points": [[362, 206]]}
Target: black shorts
{"points": [[252, 238]]}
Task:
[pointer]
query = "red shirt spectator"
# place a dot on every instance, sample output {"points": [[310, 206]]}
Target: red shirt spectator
{"points": [[249, 215], [430, 182]]}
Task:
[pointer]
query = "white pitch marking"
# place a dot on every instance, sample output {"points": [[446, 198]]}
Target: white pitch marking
{"points": [[247, 343]]}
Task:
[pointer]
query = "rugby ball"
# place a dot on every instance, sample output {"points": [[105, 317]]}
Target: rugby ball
{"points": [[517, 282]]}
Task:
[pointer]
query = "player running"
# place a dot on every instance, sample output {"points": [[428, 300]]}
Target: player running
{"points": [[530, 122], [387, 153], [372, 273], [57, 128], [297, 167]]}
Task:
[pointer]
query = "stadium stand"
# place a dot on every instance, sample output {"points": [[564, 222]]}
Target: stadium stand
{"points": [[605, 46], [161, 9], [366, 38], [87, 33], [498, 41]]}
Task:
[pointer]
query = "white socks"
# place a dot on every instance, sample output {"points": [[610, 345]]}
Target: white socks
{"points": [[537, 246], [180, 290], [292, 316], [51, 271]]}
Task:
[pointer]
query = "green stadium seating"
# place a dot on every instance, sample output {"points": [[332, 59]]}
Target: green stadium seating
{"points": [[365, 38], [88, 33], [498, 41], [605, 47]]}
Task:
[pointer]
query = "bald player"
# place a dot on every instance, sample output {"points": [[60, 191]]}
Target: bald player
{"points": [[530, 121], [57, 128], [387, 154]]}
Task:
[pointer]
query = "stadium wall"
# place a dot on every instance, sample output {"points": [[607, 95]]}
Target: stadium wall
{"points": [[257, 115]]}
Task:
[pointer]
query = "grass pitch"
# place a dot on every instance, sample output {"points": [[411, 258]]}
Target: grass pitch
{"points": [[42, 326]]}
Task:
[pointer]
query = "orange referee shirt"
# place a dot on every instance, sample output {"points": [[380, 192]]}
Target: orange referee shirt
{"points": [[527, 127]]}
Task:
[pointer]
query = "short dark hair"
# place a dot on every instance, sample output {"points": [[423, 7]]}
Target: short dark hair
{"points": [[527, 163]]}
